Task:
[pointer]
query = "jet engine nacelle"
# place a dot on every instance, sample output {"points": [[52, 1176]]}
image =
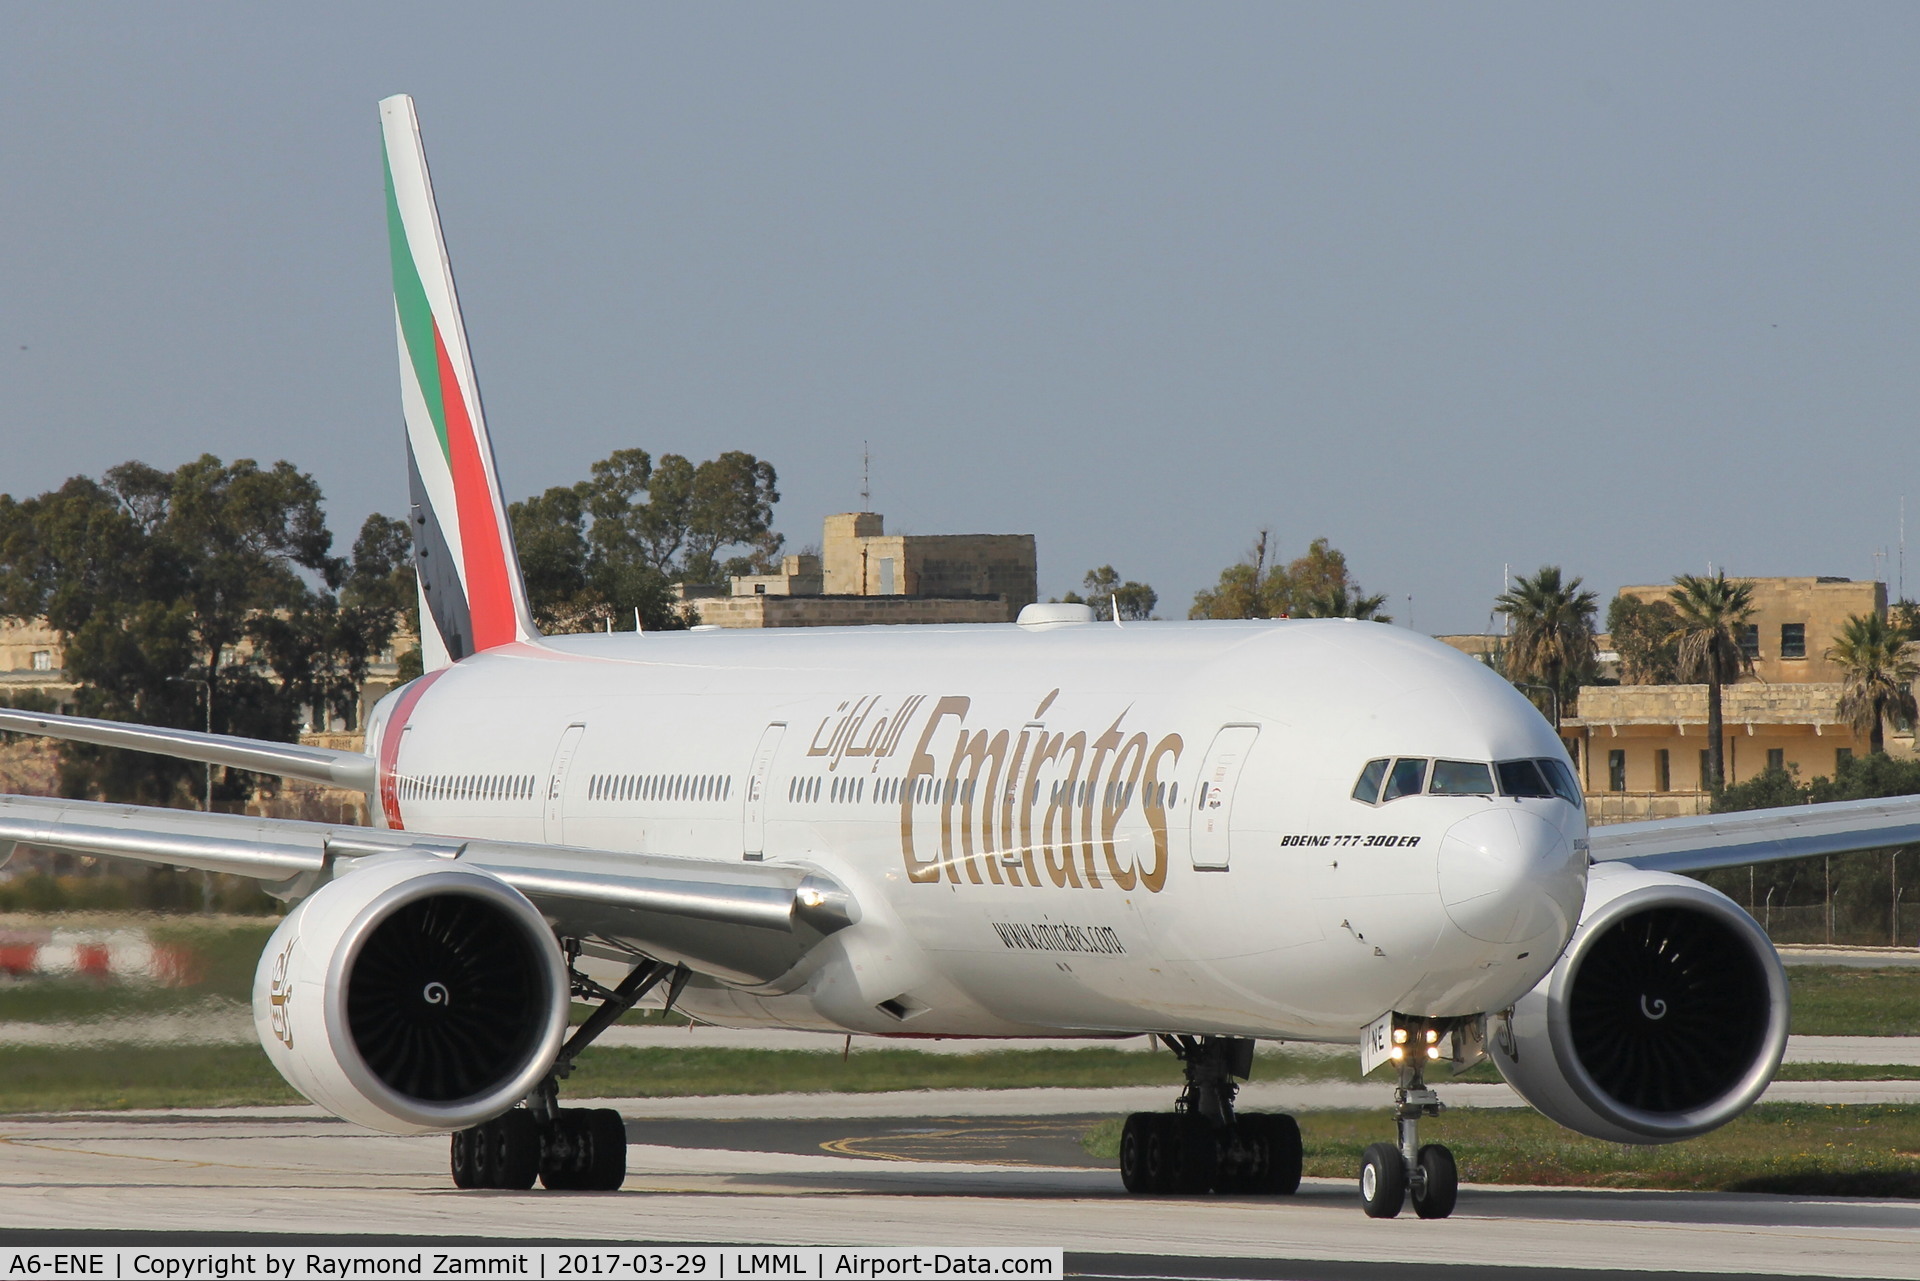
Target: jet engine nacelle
{"points": [[1665, 1018], [412, 994]]}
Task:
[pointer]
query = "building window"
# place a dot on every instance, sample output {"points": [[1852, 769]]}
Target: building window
{"points": [[759, 589], [42, 660], [1617, 770], [1793, 640], [886, 575], [1706, 772], [1662, 771], [1776, 760], [1749, 640], [1842, 757]]}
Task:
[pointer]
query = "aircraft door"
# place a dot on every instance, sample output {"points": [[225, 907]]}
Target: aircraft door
{"points": [[554, 829], [753, 813], [1209, 822]]}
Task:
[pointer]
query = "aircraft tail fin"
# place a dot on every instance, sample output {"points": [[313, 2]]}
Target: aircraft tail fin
{"points": [[472, 594]]}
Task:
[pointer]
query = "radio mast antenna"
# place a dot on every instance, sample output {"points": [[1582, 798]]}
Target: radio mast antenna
{"points": [[866, 475]]}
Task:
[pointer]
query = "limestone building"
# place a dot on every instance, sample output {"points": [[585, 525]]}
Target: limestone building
{"points": [[1642, 749], [865, 575]]}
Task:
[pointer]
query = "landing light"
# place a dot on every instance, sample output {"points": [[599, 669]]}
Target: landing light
{"points": [[1399, 1036]]}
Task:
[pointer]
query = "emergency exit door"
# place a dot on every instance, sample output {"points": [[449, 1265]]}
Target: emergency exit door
{"points": [[753, 840], [1210, 822], [554, 827]]}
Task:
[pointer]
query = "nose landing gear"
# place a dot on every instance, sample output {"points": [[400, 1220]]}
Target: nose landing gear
{"points": [[1391, 1175], [1203, 1145]]}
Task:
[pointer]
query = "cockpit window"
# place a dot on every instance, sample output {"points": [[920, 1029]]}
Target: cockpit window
{"points": [[1407, 778], [1368, 788], [1461, 778], [1562, 780], [1522, 778]]}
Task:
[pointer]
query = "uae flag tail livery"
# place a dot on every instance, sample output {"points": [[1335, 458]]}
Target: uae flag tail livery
{"points": [[471, 594]]}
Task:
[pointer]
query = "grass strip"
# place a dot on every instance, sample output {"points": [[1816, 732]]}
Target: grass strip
{"points": [[88, 1077], [1838, 1001], [1799, 1148]]}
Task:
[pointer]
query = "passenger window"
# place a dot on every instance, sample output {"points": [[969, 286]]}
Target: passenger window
{"points": [[1408, 778], [1561, 779], [1522, 778], [1368, 788], [1461, 778]]}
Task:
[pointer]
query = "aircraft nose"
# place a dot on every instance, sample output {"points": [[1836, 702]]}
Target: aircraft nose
{"points": [[1507, 875]]}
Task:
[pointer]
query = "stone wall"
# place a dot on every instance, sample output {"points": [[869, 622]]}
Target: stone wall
{"points": [[849, 611]]}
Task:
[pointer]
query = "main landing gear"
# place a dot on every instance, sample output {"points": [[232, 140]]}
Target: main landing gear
{"points": [[1390, 1175], [566, 1149], [1203, 1145]]}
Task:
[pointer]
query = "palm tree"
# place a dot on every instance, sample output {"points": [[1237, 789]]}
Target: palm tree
{"points": [[1551, 640], [1339, 600], [1879, 664], [1713, 611]]}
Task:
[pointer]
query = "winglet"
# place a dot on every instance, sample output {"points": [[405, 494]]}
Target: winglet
{"points": [[470, 584]]}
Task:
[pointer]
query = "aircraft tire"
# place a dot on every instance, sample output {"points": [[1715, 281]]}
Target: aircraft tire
{"points": [[1280, 1153], [1136, 1137], [1196, 1155], [607, 1151], [1438, 1187], [465, 1176], [1383, 1181], [565, 1149], [516, 1150]]}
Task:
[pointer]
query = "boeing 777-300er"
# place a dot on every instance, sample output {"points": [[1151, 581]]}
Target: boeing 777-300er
{"points": [[1213, 833]]}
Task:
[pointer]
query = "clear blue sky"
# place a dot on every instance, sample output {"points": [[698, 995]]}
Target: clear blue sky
{"points": [[1629, 288]]}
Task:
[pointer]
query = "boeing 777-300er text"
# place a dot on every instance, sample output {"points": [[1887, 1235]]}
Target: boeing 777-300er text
{"points": [[1209, 832]]}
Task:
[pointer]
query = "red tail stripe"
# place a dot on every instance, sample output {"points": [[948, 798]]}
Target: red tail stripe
{"points": [[489, 594]]}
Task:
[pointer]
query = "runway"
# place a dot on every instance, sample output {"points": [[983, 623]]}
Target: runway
{"points": [[932, 1179]]}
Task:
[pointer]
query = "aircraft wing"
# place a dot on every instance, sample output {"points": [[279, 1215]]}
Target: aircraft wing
{"points": [[1709, 841], [742, 922], [351, 770]]}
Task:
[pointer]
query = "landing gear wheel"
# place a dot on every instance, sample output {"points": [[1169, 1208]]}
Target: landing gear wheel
{"points": [[1136, 1139], [1436, 1185], [1280, 1155], [502, 1153], [1196, 1154], [607, 1151], [564, 1152], [1383, 1181], [464, 1174]]}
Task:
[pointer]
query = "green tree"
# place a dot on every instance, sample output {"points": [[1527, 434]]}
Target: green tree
{"points": [[1642, 632], [158, 581], [321, 649], [1251, 588], [1713, 613], [1337, 601], [1904, 616], [1104, 589], [1878, 665], [595, 552], [1550, 641]]}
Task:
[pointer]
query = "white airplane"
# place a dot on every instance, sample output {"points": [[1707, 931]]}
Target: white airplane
{"points": [[1215, 833]]}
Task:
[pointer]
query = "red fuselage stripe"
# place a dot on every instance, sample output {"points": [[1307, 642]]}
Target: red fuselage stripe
{"points": [[390, 748]]}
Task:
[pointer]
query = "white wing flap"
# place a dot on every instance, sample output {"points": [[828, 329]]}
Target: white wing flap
{"points": [[1710, 841]]}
